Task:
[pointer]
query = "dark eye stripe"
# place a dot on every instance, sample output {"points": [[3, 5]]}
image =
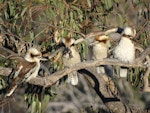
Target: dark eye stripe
{"points": [[35, 55], [126, 35], [103, 41]]}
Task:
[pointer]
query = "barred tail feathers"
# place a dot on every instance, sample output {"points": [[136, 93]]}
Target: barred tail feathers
{"points": [[123, 72], [11, 90], [73, 78], [100, 69]]}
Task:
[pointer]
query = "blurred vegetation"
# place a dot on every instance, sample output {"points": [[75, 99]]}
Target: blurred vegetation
{"points": [[45, 22]]}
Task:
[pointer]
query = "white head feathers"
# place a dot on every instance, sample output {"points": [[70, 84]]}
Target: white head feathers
{"points": [[33, 55], [128, 31]]}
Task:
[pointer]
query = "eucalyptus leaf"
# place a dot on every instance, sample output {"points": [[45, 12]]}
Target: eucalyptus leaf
{"points": [[89, 3], [45, 103], [23, 12], [33, 107]]}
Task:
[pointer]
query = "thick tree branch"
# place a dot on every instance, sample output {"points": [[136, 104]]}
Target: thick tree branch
{"points": [[50, 80], [53, 78], [6, 52]]}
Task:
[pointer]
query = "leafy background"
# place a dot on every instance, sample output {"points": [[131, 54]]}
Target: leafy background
{"points": [[43, 22]]}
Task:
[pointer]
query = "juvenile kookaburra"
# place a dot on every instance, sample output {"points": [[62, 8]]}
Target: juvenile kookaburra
{"points": [[26, 69], [71, 57], [100, 50], [125, 51]]}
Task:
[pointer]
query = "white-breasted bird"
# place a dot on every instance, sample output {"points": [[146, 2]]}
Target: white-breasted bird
{"points": [[71, 57], [27, 68], [100, 50], [125, 50]]}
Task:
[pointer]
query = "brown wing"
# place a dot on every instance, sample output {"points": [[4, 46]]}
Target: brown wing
{"points": [[26, 67], [14, 70], [18, 76]]}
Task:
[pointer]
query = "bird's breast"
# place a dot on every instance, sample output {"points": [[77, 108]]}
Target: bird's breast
{"points": [[125, 51], [71, 58], [33, 72], [100, 51]]}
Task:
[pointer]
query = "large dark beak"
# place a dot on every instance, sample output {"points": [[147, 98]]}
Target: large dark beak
{"points": [[66, 50], [43, 59]]}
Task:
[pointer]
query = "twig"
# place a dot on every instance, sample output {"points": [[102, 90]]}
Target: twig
{"points": [[3, 49], [2, 56], [59, 27], [93, 34], [143, 55], [55, 53]]}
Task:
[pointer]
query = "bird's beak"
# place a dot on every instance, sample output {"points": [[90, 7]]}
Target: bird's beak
{"points": [[66, 50], [43, 59], [93, 43]]}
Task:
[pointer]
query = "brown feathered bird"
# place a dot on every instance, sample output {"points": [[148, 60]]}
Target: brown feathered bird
{"points": [[125, 50], [70, 58], [100, 50], [26, 69]]}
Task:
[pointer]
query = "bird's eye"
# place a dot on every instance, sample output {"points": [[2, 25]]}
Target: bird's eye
{"points": [[31, 55]]}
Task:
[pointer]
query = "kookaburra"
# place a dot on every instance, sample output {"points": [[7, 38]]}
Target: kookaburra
{"points": [[125, 50], [26, 69], [71, 57], [100, 50]]}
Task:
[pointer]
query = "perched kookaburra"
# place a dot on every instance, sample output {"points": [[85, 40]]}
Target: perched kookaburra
{"points": [[26, 69], [125, 50], [100, 50], [71, 57]]}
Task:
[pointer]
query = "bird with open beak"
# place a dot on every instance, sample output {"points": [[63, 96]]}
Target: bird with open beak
{"points": [[100, 50], [125, 50], [71, 57], [27, 68]]}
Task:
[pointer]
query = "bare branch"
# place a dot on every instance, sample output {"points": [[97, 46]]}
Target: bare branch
{"points": [[53, 78], [92, 34], [57, 27], [50, 80], [55, 53], [143, 55], [5, 52]]}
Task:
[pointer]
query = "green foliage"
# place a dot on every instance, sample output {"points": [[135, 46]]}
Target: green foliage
{"points": [[2, 83], [2, 62], [83, 49], [135, 77], [38, 97], [36, 20], [38, 106]]}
